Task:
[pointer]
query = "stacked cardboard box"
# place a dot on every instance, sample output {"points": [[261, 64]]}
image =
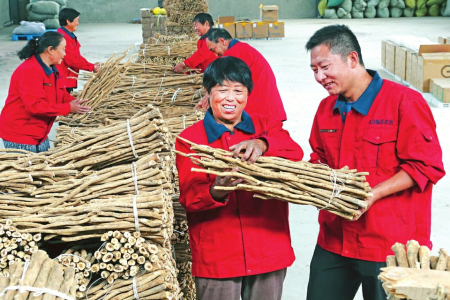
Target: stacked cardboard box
{"points": [[267, 27], [440, 89], [444, 40], [152, 24], [228, 24], [416, 67]]}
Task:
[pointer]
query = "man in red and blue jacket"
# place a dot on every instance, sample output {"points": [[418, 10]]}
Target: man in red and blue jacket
{"points": [[201, 58], [265, 98], [69, 20], [376, 126]]}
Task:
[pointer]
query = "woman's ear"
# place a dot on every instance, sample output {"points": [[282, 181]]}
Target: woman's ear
{"points": [[50, 50]]}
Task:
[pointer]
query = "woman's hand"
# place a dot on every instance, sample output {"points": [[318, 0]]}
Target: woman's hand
{"points": [[96, 67], [77, 108], [219, 195], [253, 150], [203, 104], [179, 67]]}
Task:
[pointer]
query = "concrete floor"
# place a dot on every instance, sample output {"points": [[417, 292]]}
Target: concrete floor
{"points": [[301, 96]]}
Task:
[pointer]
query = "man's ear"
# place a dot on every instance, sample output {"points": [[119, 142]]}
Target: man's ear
{"points": [[353, 58]]}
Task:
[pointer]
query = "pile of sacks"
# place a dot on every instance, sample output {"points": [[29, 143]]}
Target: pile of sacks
{"points": [[46, 12], [357, 9]]}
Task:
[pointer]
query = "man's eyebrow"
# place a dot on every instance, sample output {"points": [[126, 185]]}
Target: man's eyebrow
{"points": [[311, 65]]}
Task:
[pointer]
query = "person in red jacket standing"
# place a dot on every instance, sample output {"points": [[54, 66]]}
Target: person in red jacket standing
{"points": [[265, 98], [37, 95], [240, 245], [376, 126], [202, 57], [69, 20]]}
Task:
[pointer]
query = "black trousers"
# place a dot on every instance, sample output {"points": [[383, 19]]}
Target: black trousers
{"points": [[334, 277]]}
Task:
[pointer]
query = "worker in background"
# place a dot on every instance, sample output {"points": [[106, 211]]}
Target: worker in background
{"points": [[69, 19], [201, 58], [265, 98], [37, 95], [240, 244], [376, 126]]}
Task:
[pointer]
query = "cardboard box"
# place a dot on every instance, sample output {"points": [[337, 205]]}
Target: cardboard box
{"points": [[146, 13], [400, 62], [383, 54], [276, 30], [414, 69], [390, 56], [445, 98], [409, 67], [230, 27], [444, 40], [223, 20], [260, 30], [269, 13], [440, 89], [244, 30], [433, 62]]}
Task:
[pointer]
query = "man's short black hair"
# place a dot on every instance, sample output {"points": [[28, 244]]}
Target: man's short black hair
{"points": [[227, 68], [339, 38], [215, 33], [202, 18], [67, 14]]}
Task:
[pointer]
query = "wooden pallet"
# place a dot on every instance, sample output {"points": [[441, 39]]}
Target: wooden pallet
{"points": [[16, 37]]}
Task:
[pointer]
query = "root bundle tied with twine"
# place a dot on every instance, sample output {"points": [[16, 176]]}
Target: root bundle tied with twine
{"points": [[39, 278], [101, 84], [167, 50], [15, 246], [180, 14], [341, 192], [89, 206]]}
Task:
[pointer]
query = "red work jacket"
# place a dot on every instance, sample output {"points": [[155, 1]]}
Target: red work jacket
{"points": [[34, 100], [244, 235], [265, 98], [201, 58], [398, 133], [73, 59]]}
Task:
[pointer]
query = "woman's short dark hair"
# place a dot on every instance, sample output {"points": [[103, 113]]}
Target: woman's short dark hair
{"points": [[339, 38], [39, 45], [67, 14], [215, 33], [202, 18], [227, 68]]}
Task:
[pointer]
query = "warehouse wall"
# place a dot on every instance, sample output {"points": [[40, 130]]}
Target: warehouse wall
{"points": [[4, 11], [106, 11], [125, 11], [249, 9]]}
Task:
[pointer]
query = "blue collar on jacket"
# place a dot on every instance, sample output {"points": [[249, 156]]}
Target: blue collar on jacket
{"points": [[215, 130], [69, 33], [46, 68], [204, 36], [365, 101], [232, 43]]}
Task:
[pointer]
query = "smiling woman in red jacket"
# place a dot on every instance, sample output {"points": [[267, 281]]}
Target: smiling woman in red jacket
{"points": [[240, 245], [37, 95], [69, 20]]}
